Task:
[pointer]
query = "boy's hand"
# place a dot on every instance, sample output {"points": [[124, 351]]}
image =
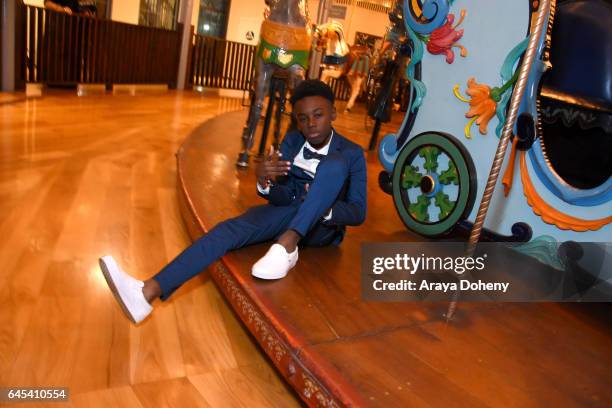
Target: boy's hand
{"points": [[271, 167]]}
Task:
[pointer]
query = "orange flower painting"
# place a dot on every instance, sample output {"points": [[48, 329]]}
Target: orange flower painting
{"points": [[482, 105]]}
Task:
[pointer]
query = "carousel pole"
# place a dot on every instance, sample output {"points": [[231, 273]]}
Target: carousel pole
{"points": [[515, 101], [186, 7], [8, 21], [315, 57]]}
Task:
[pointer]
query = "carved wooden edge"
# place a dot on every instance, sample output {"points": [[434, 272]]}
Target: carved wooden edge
{"points": [[287, 363], [308, 386]]}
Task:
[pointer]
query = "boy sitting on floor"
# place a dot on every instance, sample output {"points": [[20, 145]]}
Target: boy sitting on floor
{"points": [[315, 186]]}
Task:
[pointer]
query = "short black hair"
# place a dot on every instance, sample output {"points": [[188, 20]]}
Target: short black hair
{"points": [[312, 87]]}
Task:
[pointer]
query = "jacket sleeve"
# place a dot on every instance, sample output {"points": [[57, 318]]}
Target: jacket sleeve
{"points": [[351, 209]]}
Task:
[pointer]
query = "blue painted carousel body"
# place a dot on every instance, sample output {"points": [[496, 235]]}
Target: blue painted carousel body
{"points": [[465, 60]]}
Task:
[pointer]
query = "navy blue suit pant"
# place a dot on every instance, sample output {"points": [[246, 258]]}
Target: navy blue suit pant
{"points": [[263, 223]]}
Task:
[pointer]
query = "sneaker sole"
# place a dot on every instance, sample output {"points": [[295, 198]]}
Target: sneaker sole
{"points": [[113, 288], [265, 276]]}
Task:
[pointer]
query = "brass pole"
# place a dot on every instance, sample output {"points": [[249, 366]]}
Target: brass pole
{"points": [[515, 102]]}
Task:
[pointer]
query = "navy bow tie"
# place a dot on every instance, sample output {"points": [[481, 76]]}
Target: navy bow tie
{"points": [[309, 154]]}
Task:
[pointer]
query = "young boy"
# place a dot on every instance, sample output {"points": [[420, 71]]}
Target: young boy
{"points": [[315, 186]]}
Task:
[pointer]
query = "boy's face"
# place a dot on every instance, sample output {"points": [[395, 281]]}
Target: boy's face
{"points": [[314, 115]]}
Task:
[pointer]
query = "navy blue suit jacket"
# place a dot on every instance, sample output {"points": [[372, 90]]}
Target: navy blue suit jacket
{"points": [[350, 206]]}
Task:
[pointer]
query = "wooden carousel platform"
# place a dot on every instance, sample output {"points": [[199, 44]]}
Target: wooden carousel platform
{"points": [[336, 350]]}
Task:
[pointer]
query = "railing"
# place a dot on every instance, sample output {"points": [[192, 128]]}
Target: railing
{"points": [[62, 48], [67, 49], [219, 63], [342, 90], [380, 6]]}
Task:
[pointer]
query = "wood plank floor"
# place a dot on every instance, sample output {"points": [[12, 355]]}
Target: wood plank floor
{"points": [[82, 177]]}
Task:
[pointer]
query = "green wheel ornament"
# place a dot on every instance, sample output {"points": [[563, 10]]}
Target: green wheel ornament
{"points": [[434, 183], [411, 177]]}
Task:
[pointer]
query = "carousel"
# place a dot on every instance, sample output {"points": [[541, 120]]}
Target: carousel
{"points": [[506, 137]]}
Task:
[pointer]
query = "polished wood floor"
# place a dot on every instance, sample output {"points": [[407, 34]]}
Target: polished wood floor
{"points": [[83, 177]]}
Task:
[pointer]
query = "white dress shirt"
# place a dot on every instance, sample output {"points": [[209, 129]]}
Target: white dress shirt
{"points": [[309, 166]]}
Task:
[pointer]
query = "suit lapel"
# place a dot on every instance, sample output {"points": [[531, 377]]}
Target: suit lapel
{"points": [[297, 144], [336, 142]]}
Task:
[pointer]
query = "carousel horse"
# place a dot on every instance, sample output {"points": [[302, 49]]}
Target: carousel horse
{"points": [[341, 59], [284, 48]]}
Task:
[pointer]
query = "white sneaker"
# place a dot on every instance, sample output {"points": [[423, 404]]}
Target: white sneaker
{"points": [[126, 289], [275, 263]]}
